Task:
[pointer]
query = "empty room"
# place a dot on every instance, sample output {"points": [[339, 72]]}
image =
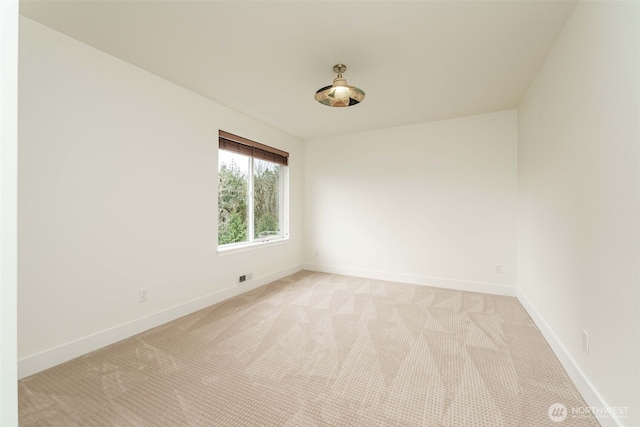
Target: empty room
{"points": [[320, 213]]}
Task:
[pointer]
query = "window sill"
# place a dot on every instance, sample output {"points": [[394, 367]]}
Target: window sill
{"points": [[234, 249]]}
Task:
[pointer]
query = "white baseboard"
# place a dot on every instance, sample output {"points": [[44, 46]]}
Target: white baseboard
{"points": [[438, 282], [582, 383], [35, 363]]}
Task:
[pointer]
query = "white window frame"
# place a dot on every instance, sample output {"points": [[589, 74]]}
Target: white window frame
{"points": [[253, 243]]}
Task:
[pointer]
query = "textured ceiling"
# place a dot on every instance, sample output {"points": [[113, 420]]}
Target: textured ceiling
{"points": [[417, 61]]}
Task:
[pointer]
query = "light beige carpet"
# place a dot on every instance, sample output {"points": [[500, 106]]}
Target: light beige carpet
{"points": [[316, 349]]}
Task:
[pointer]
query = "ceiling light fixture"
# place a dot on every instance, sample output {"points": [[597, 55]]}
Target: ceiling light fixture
{"points": [[339, 94]]}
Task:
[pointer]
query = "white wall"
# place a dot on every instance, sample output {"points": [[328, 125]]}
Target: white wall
{"points": [[433, 203], [117, 184], [579, 196], [8, 210]]}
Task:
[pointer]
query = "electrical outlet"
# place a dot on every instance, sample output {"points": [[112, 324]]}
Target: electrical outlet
{"points": [[497, 269], [585, 341], [142, 295]]}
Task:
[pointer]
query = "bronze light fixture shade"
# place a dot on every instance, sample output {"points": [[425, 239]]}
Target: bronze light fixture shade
{"points": [[339, 94]]}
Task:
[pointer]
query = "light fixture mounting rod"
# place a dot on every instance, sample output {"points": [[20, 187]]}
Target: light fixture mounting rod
{"points": [[339, 68]]}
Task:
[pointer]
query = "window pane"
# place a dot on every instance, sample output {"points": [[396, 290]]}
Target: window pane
{"points": [[233, 172], [266, 199]]}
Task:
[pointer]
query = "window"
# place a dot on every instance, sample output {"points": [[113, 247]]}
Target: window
{"points": [[252, 191]]}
